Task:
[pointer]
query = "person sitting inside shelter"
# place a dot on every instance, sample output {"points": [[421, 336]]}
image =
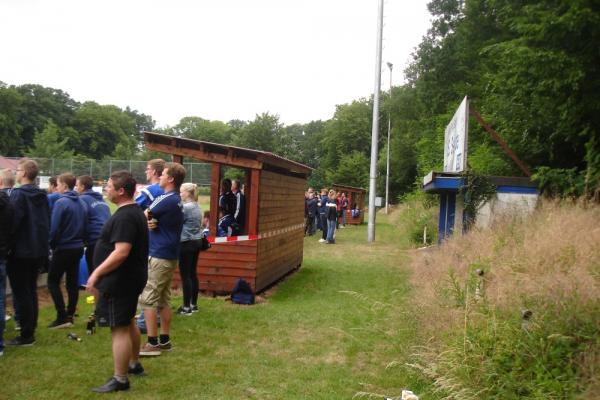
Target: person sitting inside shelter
{"points": [[206, 224], [227, 200], [224, 227]]}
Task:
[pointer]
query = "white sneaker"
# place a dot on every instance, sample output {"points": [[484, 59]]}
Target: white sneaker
{"points": [[322, 240]]}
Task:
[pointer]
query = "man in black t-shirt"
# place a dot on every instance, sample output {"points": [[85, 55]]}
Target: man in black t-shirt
{"points": [[120, 274]]}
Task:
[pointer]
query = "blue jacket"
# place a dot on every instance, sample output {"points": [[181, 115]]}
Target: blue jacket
{"points": [[323, 207], [148, 195], [52, 197], [67, 225], [311, 207], [6, 216], [31, 221], [98, 213]]}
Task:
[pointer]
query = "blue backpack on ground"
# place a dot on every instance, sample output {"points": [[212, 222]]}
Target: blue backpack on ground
{"points": [[242, 293]]}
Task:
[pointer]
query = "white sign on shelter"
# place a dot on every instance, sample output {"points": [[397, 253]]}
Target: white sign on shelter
{"points": [[455, 139]]}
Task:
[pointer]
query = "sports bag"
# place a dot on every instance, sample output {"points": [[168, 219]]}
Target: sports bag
{"points": [[242, 293]]}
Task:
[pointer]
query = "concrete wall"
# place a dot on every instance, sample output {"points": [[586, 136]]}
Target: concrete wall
{"points": [[517, 204]]}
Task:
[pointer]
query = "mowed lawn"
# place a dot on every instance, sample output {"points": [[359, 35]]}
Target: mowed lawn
{"points": [[327, 331]]}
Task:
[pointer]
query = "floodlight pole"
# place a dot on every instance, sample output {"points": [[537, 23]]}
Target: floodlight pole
{"points": [[375, 129], [387, 172]]}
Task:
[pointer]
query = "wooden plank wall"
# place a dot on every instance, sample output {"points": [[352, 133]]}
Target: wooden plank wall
{"points": [[359, 199], [354, 221], [281, 206], [220, 266]]}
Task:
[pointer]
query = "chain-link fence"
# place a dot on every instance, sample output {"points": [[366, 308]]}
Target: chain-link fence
{"points": [[100, 170]]}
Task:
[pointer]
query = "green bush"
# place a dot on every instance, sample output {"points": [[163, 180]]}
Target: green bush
{"points": [[419, 210]]}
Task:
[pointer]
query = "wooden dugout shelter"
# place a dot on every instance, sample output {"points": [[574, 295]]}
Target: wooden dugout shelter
{"points": [[355, 196], [273, 241]]}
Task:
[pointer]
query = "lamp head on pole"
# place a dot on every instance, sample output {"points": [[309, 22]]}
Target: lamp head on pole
{"points": [[390, 65]]}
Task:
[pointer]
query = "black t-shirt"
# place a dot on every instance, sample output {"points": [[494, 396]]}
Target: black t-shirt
{"points": [[128, 224]]}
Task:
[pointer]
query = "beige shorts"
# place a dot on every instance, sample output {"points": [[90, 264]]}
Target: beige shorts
{"points": [[157, 292]]}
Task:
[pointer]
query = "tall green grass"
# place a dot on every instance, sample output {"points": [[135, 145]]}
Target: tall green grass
{"points": [[479, 345]]}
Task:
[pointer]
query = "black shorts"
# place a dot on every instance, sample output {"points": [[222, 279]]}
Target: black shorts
{"points": [[113, 311]]}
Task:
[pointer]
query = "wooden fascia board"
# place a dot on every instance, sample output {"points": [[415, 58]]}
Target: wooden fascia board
{"points": [[284, 164], [202, 155]]}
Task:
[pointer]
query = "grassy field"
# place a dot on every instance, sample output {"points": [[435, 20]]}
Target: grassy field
{"points": [[326, 332]]}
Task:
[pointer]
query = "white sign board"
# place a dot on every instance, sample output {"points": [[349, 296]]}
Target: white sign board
{"points": [[428, 178], [378, 201], [455, 139], [44, 182]]}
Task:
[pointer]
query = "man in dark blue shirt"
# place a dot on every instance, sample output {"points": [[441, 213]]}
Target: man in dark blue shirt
{"points": [[31, 224], [165, 231], [240, 207], [322, 206]]}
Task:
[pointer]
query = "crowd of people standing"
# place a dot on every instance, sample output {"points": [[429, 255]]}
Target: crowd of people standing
{"points": [[131, 255], [324, 212]]}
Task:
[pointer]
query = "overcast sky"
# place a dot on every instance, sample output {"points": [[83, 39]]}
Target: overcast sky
{"points": [[219, 60]]}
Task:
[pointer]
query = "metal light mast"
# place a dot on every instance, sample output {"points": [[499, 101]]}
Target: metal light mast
{"points": [[375, 130]]}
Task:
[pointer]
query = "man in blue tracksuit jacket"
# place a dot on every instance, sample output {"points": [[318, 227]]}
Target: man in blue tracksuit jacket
{"points": [[53, 194], [147, 195], [67, 232], [98, 214]]}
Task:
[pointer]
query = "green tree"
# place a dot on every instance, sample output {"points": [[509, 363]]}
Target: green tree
{"points": [[353, 170], [306, 143], [50, 143], [11, 141], [202, 129], [528, 68], [39, 104], [143, 123], [348, 131], [264, 133], [102, 129]]}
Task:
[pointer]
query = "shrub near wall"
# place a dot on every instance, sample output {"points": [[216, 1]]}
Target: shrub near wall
{"points": [[529, 328], [417, 211]]}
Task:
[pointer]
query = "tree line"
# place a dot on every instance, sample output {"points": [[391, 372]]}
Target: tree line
{"points": [[531, 68]]}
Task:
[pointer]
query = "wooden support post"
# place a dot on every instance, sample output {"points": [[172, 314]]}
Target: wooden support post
{"points": [[501, 142], [178, 159], [215, 177], [247, 191], [252, 201]]}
